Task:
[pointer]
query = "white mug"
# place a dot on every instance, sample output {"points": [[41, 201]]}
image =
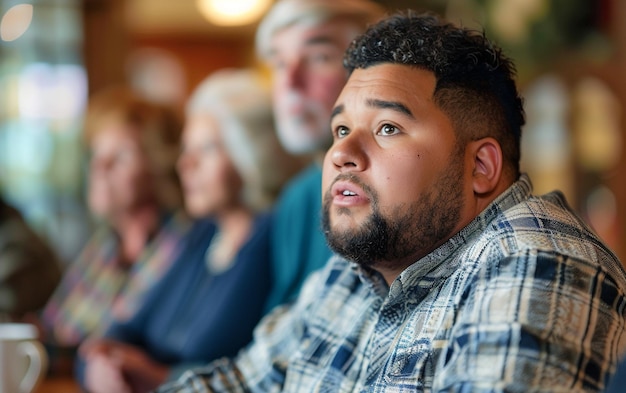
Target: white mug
{"points": [[23, 359]]}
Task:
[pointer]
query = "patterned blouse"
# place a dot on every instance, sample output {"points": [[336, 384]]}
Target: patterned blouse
{"points": [[96, 287]]}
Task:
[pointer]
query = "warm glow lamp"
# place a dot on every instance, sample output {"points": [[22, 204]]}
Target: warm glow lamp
{"points": [[232, 12]]}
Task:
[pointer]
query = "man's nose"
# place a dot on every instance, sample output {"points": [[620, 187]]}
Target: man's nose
{"points": [[350, 152], [295, 76]]}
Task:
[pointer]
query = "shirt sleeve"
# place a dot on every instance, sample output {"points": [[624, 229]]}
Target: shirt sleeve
{"points": [[535, 322], [262, 366]]}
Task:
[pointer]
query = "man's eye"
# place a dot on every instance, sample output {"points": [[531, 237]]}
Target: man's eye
{"points": [[388, 129], [320, 58], [342, 131]]}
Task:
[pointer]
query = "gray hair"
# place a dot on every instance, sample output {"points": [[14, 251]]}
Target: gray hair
{"points": [[287, 13], [240, 102]]}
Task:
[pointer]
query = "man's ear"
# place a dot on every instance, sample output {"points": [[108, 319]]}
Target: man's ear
{"points": [[488, 161]]}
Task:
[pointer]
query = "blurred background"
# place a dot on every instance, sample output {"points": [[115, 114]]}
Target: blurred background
{"points": [[55, 53]]}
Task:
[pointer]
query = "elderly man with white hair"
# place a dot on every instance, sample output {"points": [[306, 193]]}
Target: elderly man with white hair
{"points": [[303, 42]]}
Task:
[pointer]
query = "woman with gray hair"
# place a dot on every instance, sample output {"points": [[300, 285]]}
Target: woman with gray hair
{"points": [[231, 167]]}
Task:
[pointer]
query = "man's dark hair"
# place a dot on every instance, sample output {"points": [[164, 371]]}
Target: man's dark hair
{"points": [[475, 80]]}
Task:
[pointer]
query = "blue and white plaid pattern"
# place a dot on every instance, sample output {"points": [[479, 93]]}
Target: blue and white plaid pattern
{"points": [[525, 298]]}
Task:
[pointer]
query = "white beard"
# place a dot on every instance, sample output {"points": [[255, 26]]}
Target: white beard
{"points": [[304, 132]]}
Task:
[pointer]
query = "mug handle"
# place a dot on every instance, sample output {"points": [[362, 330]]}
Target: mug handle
{"points": [[37, 366]]}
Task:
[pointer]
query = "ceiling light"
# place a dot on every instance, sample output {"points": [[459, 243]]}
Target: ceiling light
{"points": [[232, 12]]}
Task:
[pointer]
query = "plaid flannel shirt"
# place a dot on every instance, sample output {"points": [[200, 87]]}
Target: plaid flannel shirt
{"points": [[525, 298]]}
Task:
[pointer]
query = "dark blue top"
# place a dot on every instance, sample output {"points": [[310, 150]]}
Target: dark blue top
{"points": [[193, 316]]}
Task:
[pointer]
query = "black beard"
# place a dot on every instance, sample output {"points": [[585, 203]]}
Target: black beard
{"points": [[363, 246], [404, 233], [378, 239]]}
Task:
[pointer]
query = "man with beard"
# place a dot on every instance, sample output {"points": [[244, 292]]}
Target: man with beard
{"points": [[450, 275], [302, 42]]}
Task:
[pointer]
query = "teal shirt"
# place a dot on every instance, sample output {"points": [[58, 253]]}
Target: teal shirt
{"points": [[298, 245]]}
